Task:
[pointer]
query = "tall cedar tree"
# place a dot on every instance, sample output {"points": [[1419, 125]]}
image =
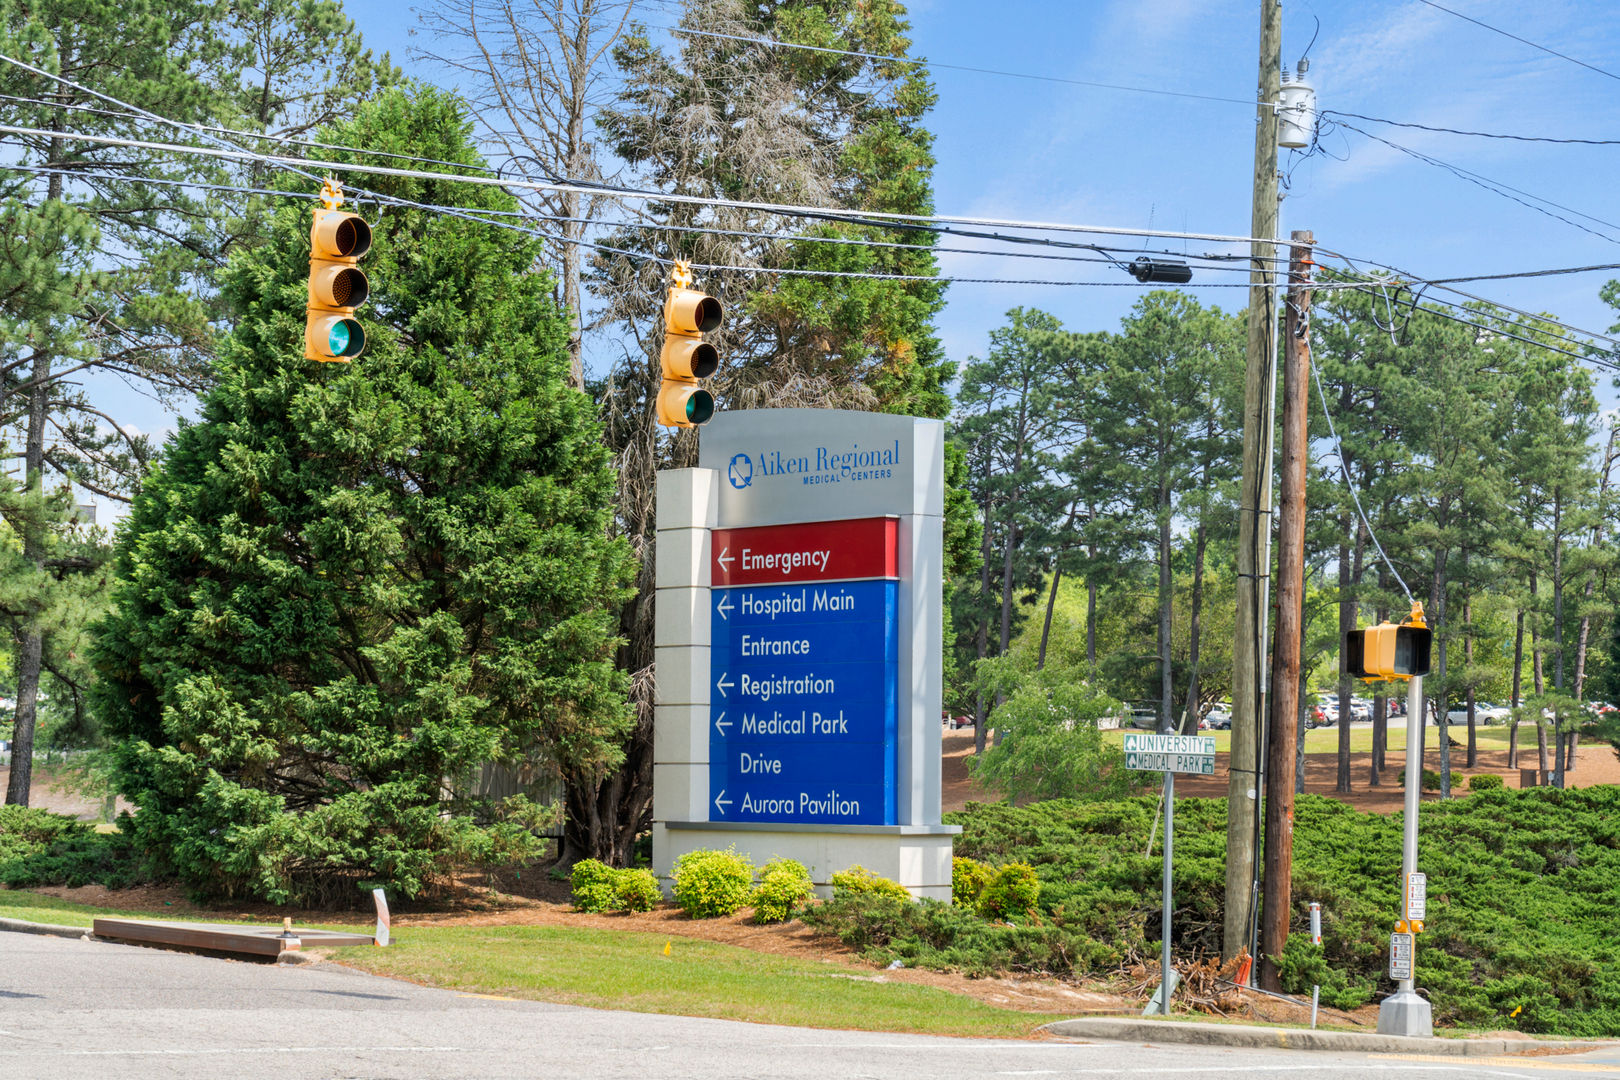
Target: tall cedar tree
{"points": [[350, 585]]}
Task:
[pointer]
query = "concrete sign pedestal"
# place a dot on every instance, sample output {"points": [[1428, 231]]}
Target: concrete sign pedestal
{"points": [[798, 636]]}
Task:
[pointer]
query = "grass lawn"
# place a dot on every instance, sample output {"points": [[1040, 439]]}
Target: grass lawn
{"points": [[613, 969]]}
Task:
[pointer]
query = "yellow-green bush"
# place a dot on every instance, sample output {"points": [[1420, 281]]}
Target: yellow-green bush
{"points": [[709, 884], [784, 885], [594, 887], [1014, 890], [968, 879], [858, 879], [1484, 782], [636, 890]]}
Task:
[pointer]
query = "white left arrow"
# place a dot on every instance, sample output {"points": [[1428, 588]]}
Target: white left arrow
{"points": [[725, 606], [721, 802], [723, 685], [721, 723], [725, 558]]}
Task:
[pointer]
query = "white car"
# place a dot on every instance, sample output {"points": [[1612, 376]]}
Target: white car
{"points": [[1484, 713]]}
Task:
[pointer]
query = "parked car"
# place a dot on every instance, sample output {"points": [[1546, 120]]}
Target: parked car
{"points": [[955, 722], [1484, 713], [1144, 718], [1219, 717]]}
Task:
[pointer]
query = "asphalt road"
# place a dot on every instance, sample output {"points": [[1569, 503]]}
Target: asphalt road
{"points": [[74, 1009]]}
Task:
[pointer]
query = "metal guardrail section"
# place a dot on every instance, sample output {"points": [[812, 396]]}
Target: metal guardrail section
{"points": [[215, 938]]}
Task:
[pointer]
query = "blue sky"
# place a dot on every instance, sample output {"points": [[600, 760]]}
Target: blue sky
{"points": [[1017, 148], [1025, 149]]}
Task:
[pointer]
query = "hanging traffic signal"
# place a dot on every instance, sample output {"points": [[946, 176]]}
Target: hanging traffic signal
{"points": [[1389, 651], [337, 285], [686, 358]]}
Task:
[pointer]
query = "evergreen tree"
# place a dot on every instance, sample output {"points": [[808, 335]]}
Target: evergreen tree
{"points": [[349, 586]]}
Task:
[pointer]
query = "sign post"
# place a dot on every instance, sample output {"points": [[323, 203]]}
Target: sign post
{"points": [[799, 625], [1168, 754]]}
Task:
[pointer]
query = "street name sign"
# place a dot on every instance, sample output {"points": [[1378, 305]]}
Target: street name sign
{"points": [[1149, 752]]}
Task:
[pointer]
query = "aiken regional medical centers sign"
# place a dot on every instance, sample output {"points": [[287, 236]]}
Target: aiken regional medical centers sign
{"points": [[798, 645]]}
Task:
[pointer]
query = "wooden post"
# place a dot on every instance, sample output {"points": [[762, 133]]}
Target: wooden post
{"points": [[1286, 649], [1254, 511]]}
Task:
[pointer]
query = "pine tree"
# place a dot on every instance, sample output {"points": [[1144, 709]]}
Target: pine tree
{"points": [[348, 586]]}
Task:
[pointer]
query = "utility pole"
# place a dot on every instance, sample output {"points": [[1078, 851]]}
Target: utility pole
{"points": [[1254, 511], [1285, 657]]}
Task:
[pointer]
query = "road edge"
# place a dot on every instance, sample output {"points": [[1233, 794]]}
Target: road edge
{"points": [[1172, 1031]]}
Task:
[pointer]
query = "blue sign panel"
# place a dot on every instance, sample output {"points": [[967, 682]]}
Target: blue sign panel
{"points": [[804, 684]]}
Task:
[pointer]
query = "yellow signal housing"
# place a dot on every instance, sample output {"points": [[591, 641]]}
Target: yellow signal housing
{"points": [[1390, 651], [686, 357], [337, 286]]}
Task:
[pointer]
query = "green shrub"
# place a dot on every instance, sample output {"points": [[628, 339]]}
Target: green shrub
{"points": [[858, 879], [1303, 965], [39, 848], [968, 879], [1013, 890], [1431, 780], [1485, 782], [709, 884], [594, 887], [784, 885], [636, 889]]}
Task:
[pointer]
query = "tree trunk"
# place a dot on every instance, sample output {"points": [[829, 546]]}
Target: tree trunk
{"points": [[1468, 659], [1046, 627], [1195, 623], [1091, 624], [1598, 531], [1437, 601], [982, 638], [31, 643], [1166, 722]]}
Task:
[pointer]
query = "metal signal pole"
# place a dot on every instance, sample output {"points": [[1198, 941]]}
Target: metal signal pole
{"points": [[1254, 512]]}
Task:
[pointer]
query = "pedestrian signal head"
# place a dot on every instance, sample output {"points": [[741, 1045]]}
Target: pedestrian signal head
{"points": [[337, 285], [686, 357]]}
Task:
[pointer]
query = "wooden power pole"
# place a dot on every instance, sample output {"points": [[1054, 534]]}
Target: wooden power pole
{"points": [[1254, 511], [1283, 736]]}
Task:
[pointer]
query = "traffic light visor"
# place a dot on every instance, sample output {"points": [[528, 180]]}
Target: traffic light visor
{"points": [[688, 358], [1412, 650], [339, 285], [692, 312], [684, 405], [336, 337], [341, 235], [1355, 663]]}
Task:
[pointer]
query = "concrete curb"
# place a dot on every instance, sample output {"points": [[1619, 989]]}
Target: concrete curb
{"points": [[20, 926], [1174, 1031]]}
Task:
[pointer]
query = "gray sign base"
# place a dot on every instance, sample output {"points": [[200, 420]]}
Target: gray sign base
{"points": [[917, 856], [1405, 1013]]}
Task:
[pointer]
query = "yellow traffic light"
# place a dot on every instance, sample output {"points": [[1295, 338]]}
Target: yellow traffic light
{"points": [[686, 358], [1389, 651], [337, 285]]}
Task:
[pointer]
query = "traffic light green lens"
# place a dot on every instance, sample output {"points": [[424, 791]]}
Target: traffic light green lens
{"points": [[699, 406], [338, 338]]}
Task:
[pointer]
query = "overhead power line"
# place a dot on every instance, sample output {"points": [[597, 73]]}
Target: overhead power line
{"points": [[1495, 187], [1520, 40], [1475, 134], [873, 217], [775, 44]]}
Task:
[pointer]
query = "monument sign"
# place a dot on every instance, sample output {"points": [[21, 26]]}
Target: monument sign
{"points": [[798, 645]]}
